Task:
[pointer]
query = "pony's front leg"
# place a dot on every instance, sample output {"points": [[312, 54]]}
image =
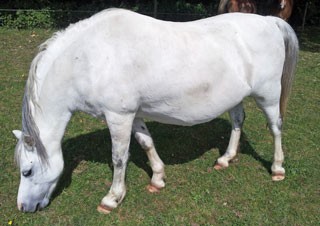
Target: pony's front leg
{"points": [[143, 137], [237, 117], [120, 131]]}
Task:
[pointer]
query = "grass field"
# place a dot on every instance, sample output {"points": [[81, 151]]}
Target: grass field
{"points": [[195, 194]]}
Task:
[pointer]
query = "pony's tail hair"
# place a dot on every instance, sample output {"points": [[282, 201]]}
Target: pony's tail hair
{"points": [[291, 57], [222, 6]]}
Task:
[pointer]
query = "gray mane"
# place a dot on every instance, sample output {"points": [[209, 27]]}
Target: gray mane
{"points": [[29, 126]]}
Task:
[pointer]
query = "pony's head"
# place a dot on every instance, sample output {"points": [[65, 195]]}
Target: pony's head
{"points": [[38, 176]]}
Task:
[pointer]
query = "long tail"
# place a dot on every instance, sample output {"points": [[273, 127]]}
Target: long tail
{"points": [[222, 6], [291, 58]]}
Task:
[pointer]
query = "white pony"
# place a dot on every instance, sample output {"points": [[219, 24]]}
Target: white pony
{"points": [[124, 67]]}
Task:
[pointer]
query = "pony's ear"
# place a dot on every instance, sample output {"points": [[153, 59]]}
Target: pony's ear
{"points": [[17, 133], [28, 140]]}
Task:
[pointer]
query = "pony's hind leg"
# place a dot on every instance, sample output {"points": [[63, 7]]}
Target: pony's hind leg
{"points": [[143, 137], [120, 131], [237, 117], [272, 113]]}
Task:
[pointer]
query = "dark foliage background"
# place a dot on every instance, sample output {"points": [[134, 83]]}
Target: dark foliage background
{"points": [[60, 13]]}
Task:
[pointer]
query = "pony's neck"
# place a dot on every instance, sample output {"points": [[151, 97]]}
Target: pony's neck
{"points": [[51, 122], [45, 122], [43, 118]]}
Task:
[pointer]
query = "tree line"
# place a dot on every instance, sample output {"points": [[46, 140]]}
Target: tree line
{"points": [[60, 13]]}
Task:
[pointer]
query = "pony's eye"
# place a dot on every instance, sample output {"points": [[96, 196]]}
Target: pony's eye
{"points": [[27, 173]]}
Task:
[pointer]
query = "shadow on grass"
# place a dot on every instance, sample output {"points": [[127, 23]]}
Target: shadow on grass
{"points": [[175, 145]]}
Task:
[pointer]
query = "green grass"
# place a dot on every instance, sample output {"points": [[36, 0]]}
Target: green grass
{"points": [[195, 194]]}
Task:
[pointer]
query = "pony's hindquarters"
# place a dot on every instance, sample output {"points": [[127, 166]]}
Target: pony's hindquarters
{"points": [[271, 89]]}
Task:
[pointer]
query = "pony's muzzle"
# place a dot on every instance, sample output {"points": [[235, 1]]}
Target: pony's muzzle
{"points": [[23, 207], [28, 208]]}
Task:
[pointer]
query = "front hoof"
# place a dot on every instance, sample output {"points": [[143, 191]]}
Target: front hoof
{"points": [[277, 176], [153, 189], [104, 209]]}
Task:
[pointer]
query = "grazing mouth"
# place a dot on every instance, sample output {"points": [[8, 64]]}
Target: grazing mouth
{"points": [[38, 207]]}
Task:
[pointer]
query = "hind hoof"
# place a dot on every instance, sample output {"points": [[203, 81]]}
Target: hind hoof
{"points": [[104, 209], [277, 177], [218, 166], [153, 189]]}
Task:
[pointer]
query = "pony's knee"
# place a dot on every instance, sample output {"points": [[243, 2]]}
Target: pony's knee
{"points": [[119, 161]]}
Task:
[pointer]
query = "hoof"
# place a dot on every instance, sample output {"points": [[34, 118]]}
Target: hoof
{"points": [[104, 209], [218, 166], [153, 189], [277, 177]]}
